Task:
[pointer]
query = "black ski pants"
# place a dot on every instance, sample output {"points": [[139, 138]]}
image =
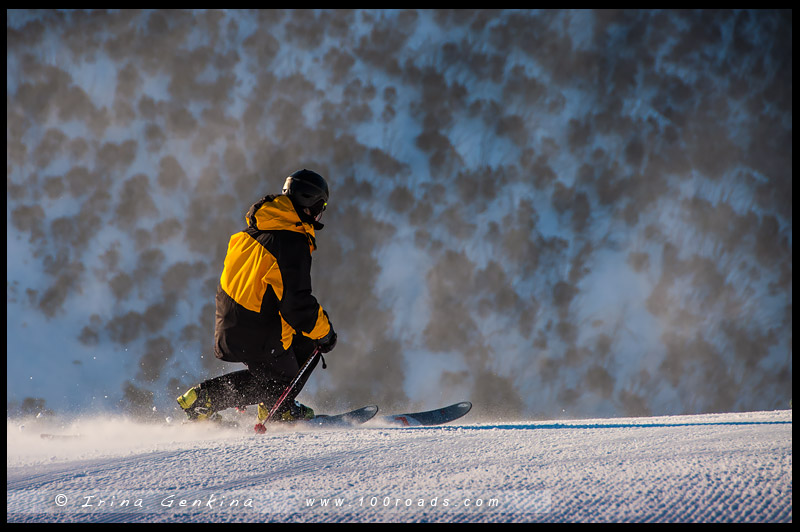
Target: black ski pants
{"points": [[264, 380]]}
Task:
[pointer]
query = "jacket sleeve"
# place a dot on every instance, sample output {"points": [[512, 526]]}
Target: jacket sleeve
{"points": [[299, 308]]}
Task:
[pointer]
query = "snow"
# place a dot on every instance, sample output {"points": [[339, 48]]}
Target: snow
{"points": [[733, 467]]}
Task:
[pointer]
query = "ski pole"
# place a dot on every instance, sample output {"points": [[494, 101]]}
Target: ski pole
{"points": [[261, 428]]}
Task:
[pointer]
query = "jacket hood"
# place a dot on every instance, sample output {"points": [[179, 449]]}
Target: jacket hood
{"points": [[277, 213]]}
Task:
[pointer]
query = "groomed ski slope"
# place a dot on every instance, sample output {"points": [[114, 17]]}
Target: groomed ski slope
{"points": [[701, 468]]}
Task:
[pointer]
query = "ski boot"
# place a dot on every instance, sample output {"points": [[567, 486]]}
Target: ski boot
{"points": [[196, 404], [295, 411]]}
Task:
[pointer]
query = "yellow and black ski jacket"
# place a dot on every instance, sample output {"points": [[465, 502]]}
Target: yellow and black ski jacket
{"points": [[264, 294]]}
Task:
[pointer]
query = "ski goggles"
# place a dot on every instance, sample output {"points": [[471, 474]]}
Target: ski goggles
{"points": [[317, 210]]}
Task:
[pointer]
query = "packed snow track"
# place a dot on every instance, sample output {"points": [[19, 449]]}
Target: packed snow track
{"points": [[706, 468]]}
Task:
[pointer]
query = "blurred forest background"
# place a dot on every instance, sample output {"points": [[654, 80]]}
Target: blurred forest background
{"points": [[555, 213]]}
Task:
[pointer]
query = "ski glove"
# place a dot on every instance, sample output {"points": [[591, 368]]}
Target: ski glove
{"points": [[327, 342]]}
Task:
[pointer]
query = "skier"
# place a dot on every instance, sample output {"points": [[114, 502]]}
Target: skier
{"points": [[266, 316]]}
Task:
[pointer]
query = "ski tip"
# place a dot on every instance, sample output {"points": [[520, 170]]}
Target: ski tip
{"points": [[462, 408]]}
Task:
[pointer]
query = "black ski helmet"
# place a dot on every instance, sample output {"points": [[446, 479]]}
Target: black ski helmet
{"points": [[307, 190]]}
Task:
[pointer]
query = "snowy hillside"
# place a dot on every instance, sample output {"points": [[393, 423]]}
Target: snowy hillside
{"points": [[579, 213], [704, 468]]}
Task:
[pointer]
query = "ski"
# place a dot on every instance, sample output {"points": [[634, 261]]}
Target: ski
{"points": [[347, 419], [428, 418], [343, 420]]}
